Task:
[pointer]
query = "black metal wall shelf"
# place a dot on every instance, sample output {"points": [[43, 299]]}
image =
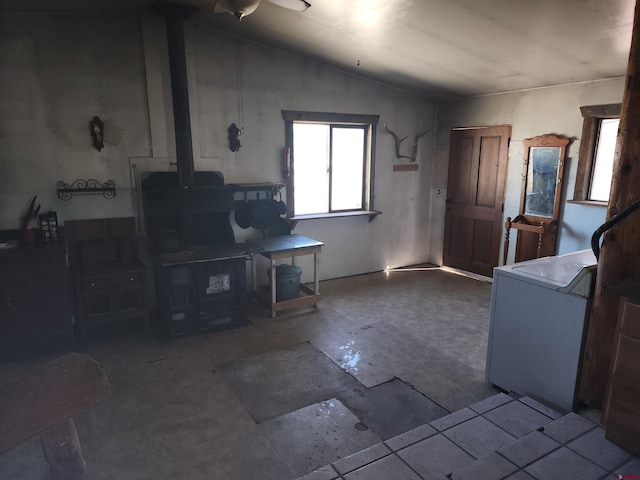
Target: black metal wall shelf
{"points": [[86, 187], [270, 188]]}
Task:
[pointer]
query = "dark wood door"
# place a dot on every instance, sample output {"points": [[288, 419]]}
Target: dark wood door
{"points": [[475, 194], [621, 413]]}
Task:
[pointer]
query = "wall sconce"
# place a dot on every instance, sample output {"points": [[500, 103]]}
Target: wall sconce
{"points": [[97, 133]]}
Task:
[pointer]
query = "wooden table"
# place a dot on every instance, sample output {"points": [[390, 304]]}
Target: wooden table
{"points": [[285, 246]]}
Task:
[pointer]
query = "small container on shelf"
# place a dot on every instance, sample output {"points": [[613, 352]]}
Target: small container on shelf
{"points": [[53, 225], [44, 227]]}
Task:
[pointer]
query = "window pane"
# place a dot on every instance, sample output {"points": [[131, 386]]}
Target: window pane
{"points": [[311, 168], [347, 168], [603, 163]]}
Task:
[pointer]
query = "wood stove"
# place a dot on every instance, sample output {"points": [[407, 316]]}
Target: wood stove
{"points": [[200, 270]]}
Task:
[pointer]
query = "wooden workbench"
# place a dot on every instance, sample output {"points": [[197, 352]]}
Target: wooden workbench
{"points": [[285, 246]]}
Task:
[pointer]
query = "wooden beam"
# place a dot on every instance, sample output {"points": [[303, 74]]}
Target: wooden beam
{"points": [[611, 110], [619, 259]]}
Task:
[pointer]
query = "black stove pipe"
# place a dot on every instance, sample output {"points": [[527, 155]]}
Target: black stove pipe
{"points": [[174, 19]]}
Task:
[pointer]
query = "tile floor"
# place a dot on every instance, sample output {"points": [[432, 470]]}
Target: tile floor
{"points": [[501, 437]]}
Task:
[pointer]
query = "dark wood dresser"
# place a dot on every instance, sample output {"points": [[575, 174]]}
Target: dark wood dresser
{"points": [[36, 312], [108, 277]]}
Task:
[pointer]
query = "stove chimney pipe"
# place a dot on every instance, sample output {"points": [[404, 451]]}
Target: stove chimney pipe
{"points": [[174, 19]]}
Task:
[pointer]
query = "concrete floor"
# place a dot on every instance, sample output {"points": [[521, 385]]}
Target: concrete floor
{"points": [[184, 408]]}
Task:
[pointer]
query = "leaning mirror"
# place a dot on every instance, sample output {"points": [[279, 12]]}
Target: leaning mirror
{"points": [[537, 224], [542, 182]]}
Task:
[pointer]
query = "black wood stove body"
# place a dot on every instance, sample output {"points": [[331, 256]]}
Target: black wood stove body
{"points": [[200, 270]]}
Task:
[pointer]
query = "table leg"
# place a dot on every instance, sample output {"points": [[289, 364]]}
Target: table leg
{"points": [[273, 286], [254, 281], [316, 278], [62, 451]]}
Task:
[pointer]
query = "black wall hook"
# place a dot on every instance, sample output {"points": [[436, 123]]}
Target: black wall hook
{"points": [[234, 137], [97, 133]]}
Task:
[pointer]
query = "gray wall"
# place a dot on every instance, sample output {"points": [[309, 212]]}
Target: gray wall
{"points": [[530, 113], [269, 81], [58, 71]]}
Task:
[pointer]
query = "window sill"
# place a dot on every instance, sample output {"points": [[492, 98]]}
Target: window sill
{"points": [[357, 213], [594, 203]]}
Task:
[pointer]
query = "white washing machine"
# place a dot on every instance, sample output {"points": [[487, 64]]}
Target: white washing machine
{"points": [[539, 313]]}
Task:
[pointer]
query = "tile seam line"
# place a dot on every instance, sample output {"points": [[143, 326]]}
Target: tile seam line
{"points": [[588, 459], [497, 453], [391, 452], [475, 459], [493, 408], [409, 466], [535, 430], [565, 444], [453, 426], [539, 411], [437, 432], [534, 461]]}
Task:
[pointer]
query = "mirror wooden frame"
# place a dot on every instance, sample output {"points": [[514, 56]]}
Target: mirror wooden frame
{"points": [[543, 142], [537, 233]]}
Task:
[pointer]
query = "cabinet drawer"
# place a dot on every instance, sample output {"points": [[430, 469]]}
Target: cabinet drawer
{"points": [[113, 280]]}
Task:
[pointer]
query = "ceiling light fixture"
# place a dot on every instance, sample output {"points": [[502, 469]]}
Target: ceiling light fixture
{"points": [[242, 8], [237, 8], [295, 5]]}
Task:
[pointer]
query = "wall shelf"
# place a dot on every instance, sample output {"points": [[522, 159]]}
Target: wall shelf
{"points": [[86, 187], [270, 188]]}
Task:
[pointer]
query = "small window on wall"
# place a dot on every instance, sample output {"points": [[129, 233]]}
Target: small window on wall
{"points": [[332, 157], [603, 160], [597, 152]]}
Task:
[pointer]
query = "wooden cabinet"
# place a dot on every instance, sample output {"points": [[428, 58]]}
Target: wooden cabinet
{"points": [[108, 278], [108, 294], [35, 302]]}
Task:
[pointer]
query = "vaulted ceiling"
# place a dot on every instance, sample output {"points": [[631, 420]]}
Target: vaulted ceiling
{"points": [[429, 47]]}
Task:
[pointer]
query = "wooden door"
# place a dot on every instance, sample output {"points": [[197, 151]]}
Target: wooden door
{"points": [[475, 198], [621, 413]]}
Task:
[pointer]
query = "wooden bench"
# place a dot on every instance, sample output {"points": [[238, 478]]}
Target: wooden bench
{"points": [[42, 404]]}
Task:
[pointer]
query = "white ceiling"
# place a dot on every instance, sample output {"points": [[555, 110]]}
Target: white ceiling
{"points": [[430, 47]]}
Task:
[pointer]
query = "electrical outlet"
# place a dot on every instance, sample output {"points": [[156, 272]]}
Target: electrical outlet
{"points": [[438, 192]]}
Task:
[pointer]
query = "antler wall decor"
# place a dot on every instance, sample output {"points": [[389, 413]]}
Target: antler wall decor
{"points": [[412, 158]]}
